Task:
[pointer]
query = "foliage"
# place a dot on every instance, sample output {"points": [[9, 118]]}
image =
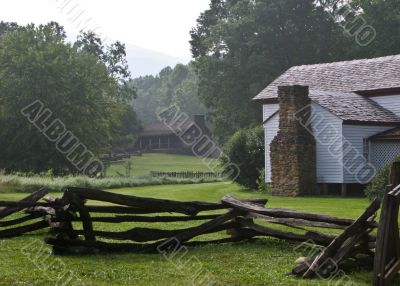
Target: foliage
{"points": [[240, 46], [263, 187], [113, 57], [124, 126], [85, 91], [7, 27], [246, 149], [377, 187], [20, 183], [171, 86], [383, 16]]}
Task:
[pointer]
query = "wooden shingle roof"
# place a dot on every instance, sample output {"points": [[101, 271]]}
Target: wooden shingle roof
{"points": [[353, 108], [157, 128], [351, 76]]}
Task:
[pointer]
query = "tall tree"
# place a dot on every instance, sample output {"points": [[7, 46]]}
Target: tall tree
{"points": [[38, 65], [240, 46], [384, 17], [176, 86], [7, 27]]}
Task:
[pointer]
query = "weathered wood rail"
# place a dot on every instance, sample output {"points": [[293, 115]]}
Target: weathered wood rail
{"points": [[387, 257], [188, 175], [15, 227], [356, 241], [238, 220]]}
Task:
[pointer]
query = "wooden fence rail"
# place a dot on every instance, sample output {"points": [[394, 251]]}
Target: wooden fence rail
{"points": [[387, 258], [73, 223], [16, 226], [238, 221], [188, 175]]}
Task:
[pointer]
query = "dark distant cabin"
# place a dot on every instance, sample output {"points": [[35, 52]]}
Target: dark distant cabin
{"points": [[158, 137]]}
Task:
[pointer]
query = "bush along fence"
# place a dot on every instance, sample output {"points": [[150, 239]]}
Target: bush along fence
{"points": [[189, 175], [72, 220]]}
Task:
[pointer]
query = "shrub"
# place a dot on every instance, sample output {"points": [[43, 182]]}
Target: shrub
{"points": [[246, 149], [17, 183], [376, 188], [263, 187]]}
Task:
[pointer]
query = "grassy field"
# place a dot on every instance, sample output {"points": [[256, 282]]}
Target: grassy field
{"points": [[142, 165], [117, 176], [261, 261]]}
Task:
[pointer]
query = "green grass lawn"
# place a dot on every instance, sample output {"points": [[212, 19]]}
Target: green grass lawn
{"points": [[142, 165], [262, 261]]}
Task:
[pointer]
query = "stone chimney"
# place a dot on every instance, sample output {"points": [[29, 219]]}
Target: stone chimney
{"points": [[293, 150]]}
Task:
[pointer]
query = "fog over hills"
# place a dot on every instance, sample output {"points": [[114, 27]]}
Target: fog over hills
{"points": [[147, 62]]}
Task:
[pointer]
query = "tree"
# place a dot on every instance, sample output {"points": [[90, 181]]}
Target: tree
{"points": [[114, 57], [176, 86], [37, 65], [240, 46], [383, 16], [245, 149], [124, 127], [7, 27]]}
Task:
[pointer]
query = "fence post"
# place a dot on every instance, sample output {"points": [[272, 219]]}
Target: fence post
{"points": [[394, 175], [387, 251]]}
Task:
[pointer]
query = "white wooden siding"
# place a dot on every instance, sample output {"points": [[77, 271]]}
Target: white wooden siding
{"points": [[269, 109], [329, 167], [390, 102], [271, 129], [327, 129], [353, 144]]}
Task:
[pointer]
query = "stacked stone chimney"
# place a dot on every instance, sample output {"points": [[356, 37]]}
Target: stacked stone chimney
{"points": [[293, 150]]}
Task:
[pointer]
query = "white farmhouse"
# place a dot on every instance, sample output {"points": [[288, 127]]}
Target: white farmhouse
{"points": [[351, 108]]}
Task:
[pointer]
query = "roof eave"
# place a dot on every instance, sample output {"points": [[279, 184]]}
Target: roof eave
{"points": [[371, 123], [379, 92], [269, 100]]}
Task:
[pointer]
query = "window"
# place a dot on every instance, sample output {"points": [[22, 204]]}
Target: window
{"points": [[366, 149]]}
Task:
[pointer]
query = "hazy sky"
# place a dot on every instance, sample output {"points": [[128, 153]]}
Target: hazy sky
{"points": [[159, 25]]}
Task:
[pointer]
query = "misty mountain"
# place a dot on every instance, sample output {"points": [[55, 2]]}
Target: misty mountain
{"points": [[147, 62]]}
